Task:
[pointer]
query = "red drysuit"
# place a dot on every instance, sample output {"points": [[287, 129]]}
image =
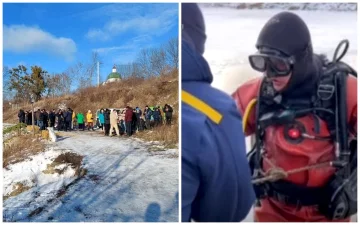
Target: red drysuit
{"points": [[288, 155]]}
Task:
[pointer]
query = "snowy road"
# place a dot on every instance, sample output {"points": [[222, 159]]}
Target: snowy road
{"points": [[124, 183]]}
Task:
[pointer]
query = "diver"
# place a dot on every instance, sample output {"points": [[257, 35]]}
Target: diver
{"points": [[303, 114]]}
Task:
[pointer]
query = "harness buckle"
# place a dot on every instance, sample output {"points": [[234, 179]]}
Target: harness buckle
{"points": [[325, 91]]}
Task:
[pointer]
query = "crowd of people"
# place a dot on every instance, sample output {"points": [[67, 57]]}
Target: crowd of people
{"points": [[61, 119], [131, 120], [111, 121]]}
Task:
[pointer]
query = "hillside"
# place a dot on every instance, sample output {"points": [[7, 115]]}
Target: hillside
{"points": [[131, 91], [287, 6], [71, 179]]}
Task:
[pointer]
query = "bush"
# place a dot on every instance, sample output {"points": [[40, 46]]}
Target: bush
{"points": [[17, 127]]}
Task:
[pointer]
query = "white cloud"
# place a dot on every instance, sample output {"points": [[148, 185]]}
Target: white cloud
{"points": [[124, 58], [156, 23], [24, 39], [114, 48], [97, 34], [141, 41]]}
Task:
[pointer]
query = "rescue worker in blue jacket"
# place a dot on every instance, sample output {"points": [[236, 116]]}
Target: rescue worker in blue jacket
{"points": [[216, 181]]}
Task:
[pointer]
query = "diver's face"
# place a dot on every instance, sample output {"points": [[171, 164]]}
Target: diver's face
{"points": [[280, 82]]}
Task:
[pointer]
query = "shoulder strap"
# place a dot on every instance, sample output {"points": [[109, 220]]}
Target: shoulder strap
{"points": [[201, 106]]}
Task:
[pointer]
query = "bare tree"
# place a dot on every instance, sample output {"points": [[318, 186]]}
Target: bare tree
{"points": [[158, 60], [154, 61], [79, 73], [172, 52], [125, 70], [76, 74], [136, 70], [58, 84], [83, 74], [51, 85], [144, 62], [66, 82], [7, 93]]}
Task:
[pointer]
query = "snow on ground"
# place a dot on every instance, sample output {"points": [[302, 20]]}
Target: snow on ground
{"points": [[30, 173], [232, 34], [125, 182]]}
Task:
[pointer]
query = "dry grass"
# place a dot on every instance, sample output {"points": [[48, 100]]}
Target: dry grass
{"points": [[19, 148], [18, 189], [72, 159], [169, 135]]}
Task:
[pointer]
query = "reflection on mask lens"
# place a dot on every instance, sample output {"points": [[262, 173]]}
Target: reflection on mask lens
{"points": [[279, 64], [259, 62]]}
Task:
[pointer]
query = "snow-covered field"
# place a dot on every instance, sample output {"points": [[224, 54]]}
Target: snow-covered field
{"points": [[30, 173], [232, 34], [124, 182]]}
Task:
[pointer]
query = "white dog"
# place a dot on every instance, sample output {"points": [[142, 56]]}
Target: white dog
{"points": [[52, 134]]}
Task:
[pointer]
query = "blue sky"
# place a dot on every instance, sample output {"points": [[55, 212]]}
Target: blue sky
{"points": [[58, 35]]}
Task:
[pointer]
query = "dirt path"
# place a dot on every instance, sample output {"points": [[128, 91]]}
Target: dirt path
{"points": [[125, 182]]}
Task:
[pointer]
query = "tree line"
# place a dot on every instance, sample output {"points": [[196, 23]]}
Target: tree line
{"points": [[152, 61], [20, 83]]}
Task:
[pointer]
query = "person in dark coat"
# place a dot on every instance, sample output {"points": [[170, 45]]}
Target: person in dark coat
{"points": [[161, 115], [148, 115], [107, 122], [157, 116], [37, 117], [60, 117], [65, 126], [138, 113], [122, 127], [41, 120], [29, 121], [216, 179], [52, 118], [142, 124], [68, 118], [21, 116], [168, 110], [134, 122], [128, 120], [46, 119]]}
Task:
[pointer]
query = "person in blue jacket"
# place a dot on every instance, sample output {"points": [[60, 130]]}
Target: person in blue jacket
{"points": [[101, 119], [216, 179]]}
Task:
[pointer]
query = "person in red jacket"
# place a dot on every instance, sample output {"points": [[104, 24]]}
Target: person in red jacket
{"points": [[303, 115], [128, 120]]}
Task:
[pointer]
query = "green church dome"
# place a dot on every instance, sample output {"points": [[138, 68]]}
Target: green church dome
{"points": [[114, 75]]}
